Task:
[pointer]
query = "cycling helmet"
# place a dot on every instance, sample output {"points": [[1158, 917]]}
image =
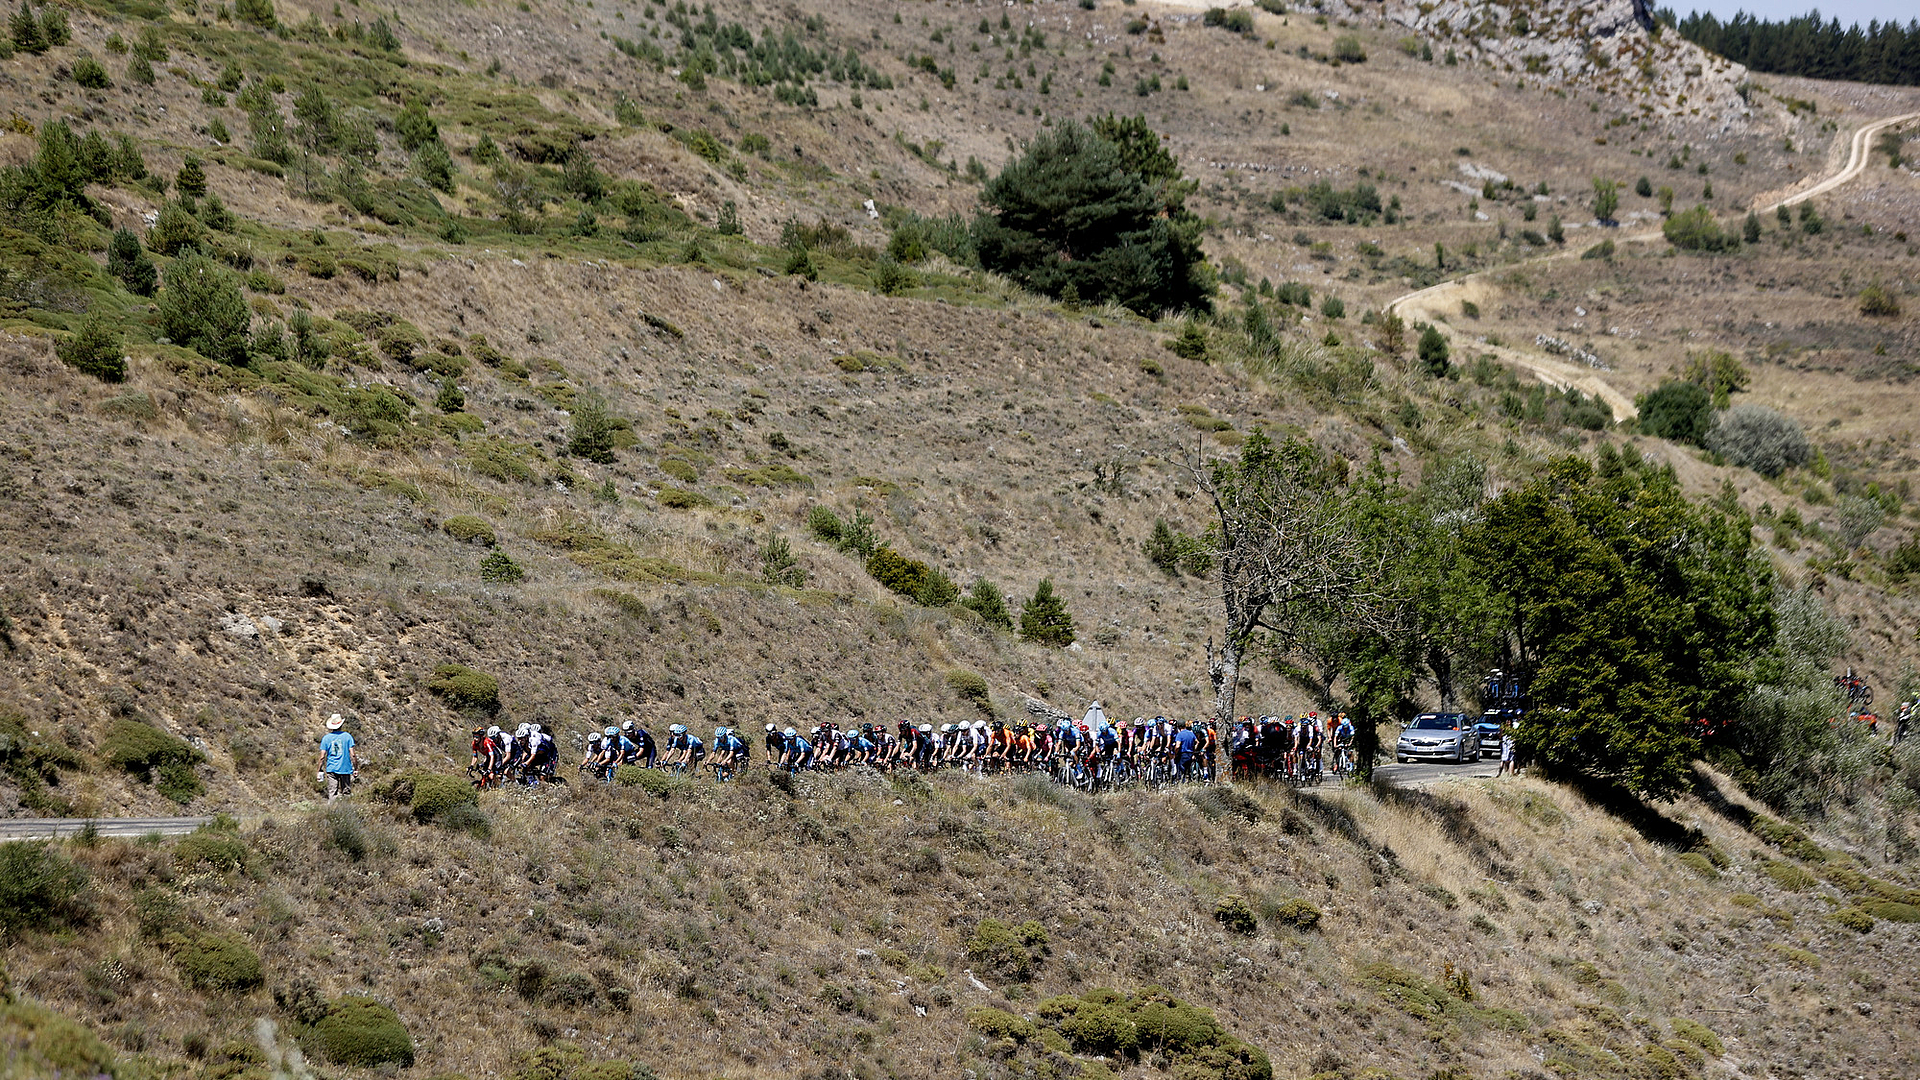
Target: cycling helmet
{"points": [[612, 732], [521, 731], [493, 731], [926, 729], [719, 732], [790, 733], [628, 726], [1083, 727], [535, 728], [678, 729], [593, 736], [771, 729]]}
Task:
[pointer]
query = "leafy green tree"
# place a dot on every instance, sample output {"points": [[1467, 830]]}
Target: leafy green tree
{"points": [[1433, 351], [1630, 613], [1720, 373], [1606, 200], [1790, 753], [201, 308], [1643, 187], [1044, 620], [1760, 439], [140, 70], [1696, 230], [435, 166], [986, 601], [1079, 210], [127, 261], [1676, 410]]}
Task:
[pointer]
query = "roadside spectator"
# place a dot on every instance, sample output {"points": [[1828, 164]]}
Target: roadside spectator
{"points": [[1506, 752], [338, 763]]}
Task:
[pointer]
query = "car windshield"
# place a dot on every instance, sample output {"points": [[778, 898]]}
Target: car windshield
{"points": [[1437, 722]]}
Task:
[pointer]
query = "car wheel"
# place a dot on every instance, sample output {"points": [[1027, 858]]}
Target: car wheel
{"points": [[1401, 758]]}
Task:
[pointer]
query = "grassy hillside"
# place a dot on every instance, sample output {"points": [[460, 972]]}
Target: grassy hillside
{"points": [[546, 325]]}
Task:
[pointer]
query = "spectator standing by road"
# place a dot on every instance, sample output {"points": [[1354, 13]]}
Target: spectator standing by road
{"points": [[1506, 752], [338, 762]]}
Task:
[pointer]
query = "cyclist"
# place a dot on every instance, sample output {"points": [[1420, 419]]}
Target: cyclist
{"points": [[1185, 743], [542, 754], [776, 746], [678, 745], [480, 766], [1343, 745], [796, 752], [636, 745]]}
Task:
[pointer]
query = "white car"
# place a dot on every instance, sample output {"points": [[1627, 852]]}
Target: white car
{"points": [[1438, 737]]}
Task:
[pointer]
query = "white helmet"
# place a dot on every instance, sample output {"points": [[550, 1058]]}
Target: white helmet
{"points": [[593, 736], [495, 730], [790, 733], [535, 728], [718, 732], [678, 729], [521, 731], [926, 729], [771, 729]]}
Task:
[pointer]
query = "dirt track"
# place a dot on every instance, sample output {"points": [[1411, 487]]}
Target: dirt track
{"points": [[1430, 304]]}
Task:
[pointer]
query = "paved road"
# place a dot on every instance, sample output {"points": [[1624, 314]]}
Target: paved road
{"points": [[1437, 302], [1420, 774], [50, 828]]}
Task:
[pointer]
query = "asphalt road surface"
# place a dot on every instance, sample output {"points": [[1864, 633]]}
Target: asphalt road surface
{"points": [[1421, 773], [50, 828]]}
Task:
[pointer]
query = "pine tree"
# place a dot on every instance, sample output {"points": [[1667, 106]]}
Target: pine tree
{"points": [[1044, 620], [1161, 549], [24, 26], [192, 179], [1750, 232], [129, 263], [985, 600]]}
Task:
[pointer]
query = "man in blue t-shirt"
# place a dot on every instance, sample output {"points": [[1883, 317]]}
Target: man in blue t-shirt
{"points": [[1184, 741], [337, 760]]}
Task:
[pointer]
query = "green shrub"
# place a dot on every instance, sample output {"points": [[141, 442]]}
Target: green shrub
{"points": [[1789, 876], [1010, 950], [972, 689], [88, 73], [1699, 1035], [175, 231], [1191, 344], [1853, 919], [43, 1043], [824, 524], [498, 568], [362, 1033], [218, 962], [674, 498], [465, 689], [1701, 865], [128, 261], [1891, 910], [39, 887], [436, 793], [469, 529], [1103, 1022], [1877, 302], [652, 781], [998, 1023], [1433, 351], [911, 578], [1298, 913], [1233, 913], [213, 846], [889, 277], [154, 756], [95, 350], [985, 600], [1676, 410], [1696, 230], [1348, 50]]}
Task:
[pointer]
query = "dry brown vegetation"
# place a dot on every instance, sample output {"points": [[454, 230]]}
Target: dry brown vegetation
{"points": [[213, 552]]}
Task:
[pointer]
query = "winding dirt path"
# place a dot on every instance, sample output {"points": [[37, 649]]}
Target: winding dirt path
{"points": [[1429, 303]]}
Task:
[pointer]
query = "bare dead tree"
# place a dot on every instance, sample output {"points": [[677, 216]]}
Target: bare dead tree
{"points": [[1283, 539]]}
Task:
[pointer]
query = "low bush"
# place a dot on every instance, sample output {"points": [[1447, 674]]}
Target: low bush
{"points": [[1699, 1035], [434, 794], [360, 1032], [465, 689], [1891, 911], [1199, 1047], [998, 1023], [1701, 865], [1877, 302], [154, 756], [40, 888], [1676, 410], [972, 689], [41, 1042], [652, 781], [1696, 230], [498, 568], [911, 578], [674, 498], [212, 845], [1853, 919], [1233, 913], [217, 962], [95, 350], [469, 529], [1297, 913], [1010, 950], [1758, 438], [1789, 876]]}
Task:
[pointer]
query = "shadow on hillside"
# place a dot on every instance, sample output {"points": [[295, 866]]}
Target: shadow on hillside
{"points": [[1456, 823], [1706, 788], [1653, 826]]}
